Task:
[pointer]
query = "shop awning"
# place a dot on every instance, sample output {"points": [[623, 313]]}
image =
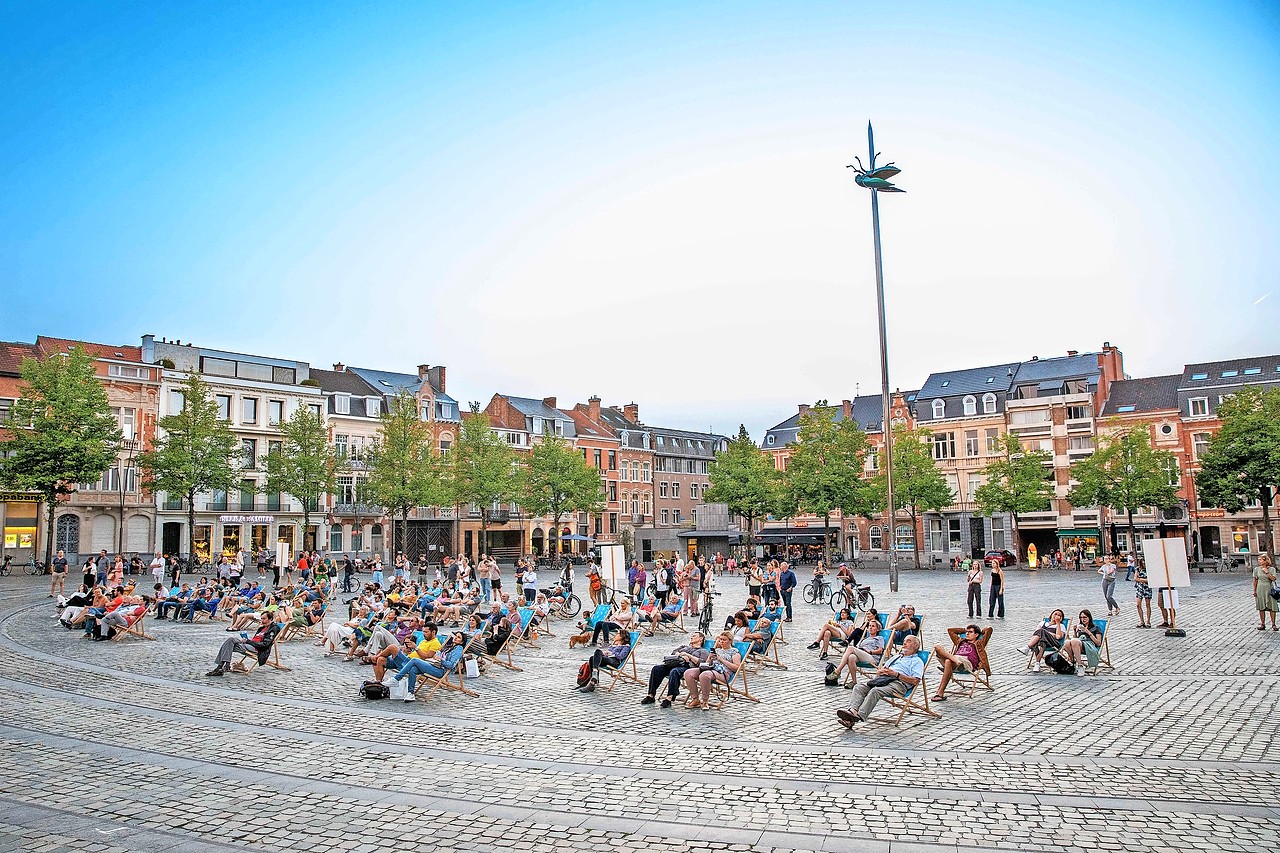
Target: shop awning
{"points": [[734, 536], [1083, 531], [794, 535]]}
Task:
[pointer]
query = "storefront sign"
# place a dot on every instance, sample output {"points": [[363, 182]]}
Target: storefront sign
{"points": [[246, 519], [1212, 513], [25, 497]]}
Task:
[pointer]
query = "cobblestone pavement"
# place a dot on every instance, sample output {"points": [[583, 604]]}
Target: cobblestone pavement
{"points": [[128, 746]]}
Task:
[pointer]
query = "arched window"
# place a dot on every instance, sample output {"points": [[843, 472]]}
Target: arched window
{"points": [[68, 535], [904, 538], [876, 538], [970, 405], [988, 404], [939, 409]]}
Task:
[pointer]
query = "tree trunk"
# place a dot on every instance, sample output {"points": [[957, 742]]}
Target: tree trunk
{"points": [[484, 531], [1013, 538], [915, 542], [191, 530], [51, 501], [750, 526], [1133, 543], [306, 523], [826, 540], [1264, 542]]}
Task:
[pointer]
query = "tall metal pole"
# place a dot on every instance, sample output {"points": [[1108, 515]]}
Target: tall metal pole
{"points": [[886, 427]]}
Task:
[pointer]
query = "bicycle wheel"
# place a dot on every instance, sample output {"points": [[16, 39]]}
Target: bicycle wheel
{"points": [[837, 601], [811, 593], [572, 605], [865, 601], [32, 568]]}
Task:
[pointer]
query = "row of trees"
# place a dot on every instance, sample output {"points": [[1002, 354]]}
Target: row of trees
{"points": [[826, 465], [198, 453], [62, 433]]}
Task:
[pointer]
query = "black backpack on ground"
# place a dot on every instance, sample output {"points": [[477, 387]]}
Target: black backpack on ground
{"points": [[1059, 664], [374, 690]]}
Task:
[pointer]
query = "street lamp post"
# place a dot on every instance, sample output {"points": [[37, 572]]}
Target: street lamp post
{"points": [[876, 180]]}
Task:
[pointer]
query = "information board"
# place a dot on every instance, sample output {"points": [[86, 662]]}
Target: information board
{"points": [[613, 565], [1166, 561]]}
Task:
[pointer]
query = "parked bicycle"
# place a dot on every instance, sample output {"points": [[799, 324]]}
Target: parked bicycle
{"points": [[35, 567], [571, 606], [857, 598], [817, 590]]}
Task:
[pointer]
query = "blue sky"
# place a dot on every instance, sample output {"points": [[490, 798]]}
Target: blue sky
{"points": [[644, 202]]}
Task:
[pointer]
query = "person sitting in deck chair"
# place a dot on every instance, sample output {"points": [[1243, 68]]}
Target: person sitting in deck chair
{"points": [[900, 673], [258, 645]]}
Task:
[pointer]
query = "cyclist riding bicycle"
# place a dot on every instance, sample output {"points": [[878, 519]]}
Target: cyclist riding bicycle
{"points": [[847, 581]]}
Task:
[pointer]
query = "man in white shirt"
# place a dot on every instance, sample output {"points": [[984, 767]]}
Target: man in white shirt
{"points": [[157, 568], [904, 671]]}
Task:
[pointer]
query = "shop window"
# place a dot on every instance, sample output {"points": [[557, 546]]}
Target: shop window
{"points": [[230, 538], [953, 534]]}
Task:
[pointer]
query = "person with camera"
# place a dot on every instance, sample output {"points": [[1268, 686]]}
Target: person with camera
{"points": [[894, 678]]}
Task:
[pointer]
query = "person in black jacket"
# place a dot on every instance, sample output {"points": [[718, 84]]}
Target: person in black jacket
{"points": [[258, 645], [786, 586]]}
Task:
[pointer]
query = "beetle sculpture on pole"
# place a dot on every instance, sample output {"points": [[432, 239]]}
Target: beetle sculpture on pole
{"points": [[876, 179]]}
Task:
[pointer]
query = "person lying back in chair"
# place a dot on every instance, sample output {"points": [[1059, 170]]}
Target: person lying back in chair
{"points": [[966, 658], [895, 678], [259, 645]]}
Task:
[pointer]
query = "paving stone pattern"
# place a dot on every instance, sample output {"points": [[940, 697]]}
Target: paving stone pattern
{"points": [[1174, 749]]}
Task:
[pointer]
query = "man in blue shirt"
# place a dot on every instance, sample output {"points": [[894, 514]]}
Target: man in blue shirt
{"points": [[904, 671], [786, 585]]}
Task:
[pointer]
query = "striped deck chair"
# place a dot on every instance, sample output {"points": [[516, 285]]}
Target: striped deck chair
{"points": [[769, 657], [133, 626], [1104, 650], [916, 699], [1066, 626], [677, 624], [626, 671], [736, 685], [969, 682], [454, 679]]}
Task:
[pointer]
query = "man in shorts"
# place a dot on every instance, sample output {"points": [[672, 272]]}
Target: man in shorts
{"points": [[58, 571]]}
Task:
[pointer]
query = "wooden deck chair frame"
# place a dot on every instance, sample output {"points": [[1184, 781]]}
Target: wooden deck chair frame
{"points": [[1066, 626], [496, 657], [134, 628], [968, 682], [1104, 650], [737, 682], [757, 660], [887, 636], [627, 671], [249, 662], [458, 672], [524, 637], [912, 703], [674, 625]]}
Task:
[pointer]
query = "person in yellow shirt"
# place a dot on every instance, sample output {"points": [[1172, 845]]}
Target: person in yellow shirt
{"points": [[430, 644]]}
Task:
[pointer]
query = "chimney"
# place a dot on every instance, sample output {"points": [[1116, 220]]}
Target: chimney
{"points": [[436, 377], [847, 406], [631, 412], [423, 370], [338, 367], [804, 409], [1035, 358], [549, 402], [1072, 352], [593, 408], [149, 349]]}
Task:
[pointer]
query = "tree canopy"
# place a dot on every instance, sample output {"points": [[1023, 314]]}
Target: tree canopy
{"points": [[482, 468], [1018, 482], [918, 485], [404, 470], [1242, 462], [825, 467], [1125, 473], [744, 478], [60, 431], [305, 466], [558, 481]]}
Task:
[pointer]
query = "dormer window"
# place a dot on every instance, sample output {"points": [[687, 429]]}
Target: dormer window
{"points": [[769, 439], [939, 410], [537, 426], [559, 427], [988, 403], [342, 404], [373, 406], [970, 405]]}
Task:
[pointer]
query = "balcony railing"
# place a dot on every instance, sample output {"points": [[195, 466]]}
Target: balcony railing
{"points": [[359, 509]]}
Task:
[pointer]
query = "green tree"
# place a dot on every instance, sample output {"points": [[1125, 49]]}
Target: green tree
{"points": [[1242, 463], [918, 485], [824, 470], [1018, 482], [483, 469], [1126, 473], [61, 431], [404, 470], [744, 478], [196, 451], [305, 465], [558, 481]]}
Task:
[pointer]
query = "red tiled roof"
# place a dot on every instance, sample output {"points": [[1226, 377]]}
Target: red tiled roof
{"points": [[48, 346], [12, 353]]}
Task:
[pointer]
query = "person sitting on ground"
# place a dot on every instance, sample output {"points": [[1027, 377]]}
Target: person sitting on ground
{"points": [[967, 656], [623, 617], [867, 646], [1048, 637], [1084, 646], [673, 667], [838, 629], [611, 657], [719, 667], [905, 624], [901, 672], [258, 645]]}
